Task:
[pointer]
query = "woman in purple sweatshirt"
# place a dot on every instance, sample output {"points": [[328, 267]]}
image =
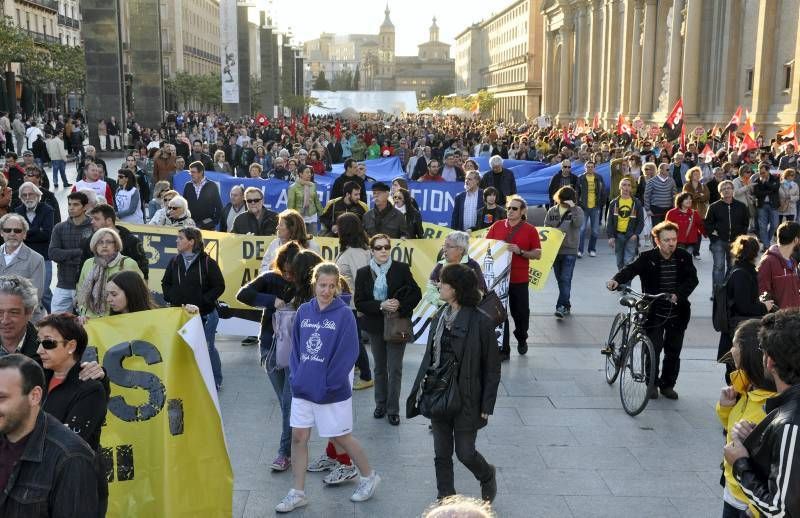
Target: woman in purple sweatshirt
{"points": [[324, 352]]}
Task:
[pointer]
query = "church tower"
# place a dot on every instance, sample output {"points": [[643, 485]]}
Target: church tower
{"points": [[434, 31], [386, 54]]}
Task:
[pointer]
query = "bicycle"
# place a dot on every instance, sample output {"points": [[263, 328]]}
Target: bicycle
{"points": [[629, 351]]}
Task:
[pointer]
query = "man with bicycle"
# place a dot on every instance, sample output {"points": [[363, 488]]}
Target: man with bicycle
{"points": [[664, 269]]}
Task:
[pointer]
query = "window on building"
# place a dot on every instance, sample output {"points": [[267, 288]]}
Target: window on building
{"points": [[19, 20], [788, 70], [748, 80]]}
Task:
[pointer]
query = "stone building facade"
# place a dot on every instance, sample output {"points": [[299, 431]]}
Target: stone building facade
{"points": [[637, 57]]}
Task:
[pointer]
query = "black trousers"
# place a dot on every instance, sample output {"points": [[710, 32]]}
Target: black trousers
{"points": [[444, 438], [519, 309], [362, 362], [667, 336]]}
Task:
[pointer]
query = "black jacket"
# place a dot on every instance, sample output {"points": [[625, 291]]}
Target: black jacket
{"points": [[475, 346], [207, 208], [770, 476], [246, 223], [556, 183], [80, 405], [401, 286], [725, 221], [55, 476], [337, 191], [647, 266], [742, 287], [504, 182], [131, 247], [30, 344], [41, 228], [414, 228], [763, 189], [201, 285]]}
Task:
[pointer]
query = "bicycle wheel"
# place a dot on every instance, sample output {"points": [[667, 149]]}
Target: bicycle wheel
{"points": [[615, 336], [637, 374]]}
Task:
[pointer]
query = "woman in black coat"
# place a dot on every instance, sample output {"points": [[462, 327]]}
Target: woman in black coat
{"points": [[742, 291], [403, 202], [385, 286], [461, 332]]}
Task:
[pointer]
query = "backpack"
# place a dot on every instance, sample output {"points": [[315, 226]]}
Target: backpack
{"points": [[721, 310]]}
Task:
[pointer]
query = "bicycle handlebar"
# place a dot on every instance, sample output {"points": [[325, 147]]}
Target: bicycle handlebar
{"points": [[647, 295]]}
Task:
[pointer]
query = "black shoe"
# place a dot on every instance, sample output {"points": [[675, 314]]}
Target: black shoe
{"points": [[504, 356], [489, 488], [379, 413], [522, 348], [250, 340], [394, 419], [669, 393], [67, 185], [653, 393]]}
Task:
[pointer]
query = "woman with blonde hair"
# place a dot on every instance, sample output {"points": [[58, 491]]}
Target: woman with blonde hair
{"points": [[302, 197], [291, 227], [157, 203], [220, 164]]}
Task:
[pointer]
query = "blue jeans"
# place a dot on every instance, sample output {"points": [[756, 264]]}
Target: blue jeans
{"points": [[767, 223], [720, 254], [562, 268], [625, 250], [59, 166], [280, 383], [47, 296], [210, 322], [590, 217]]}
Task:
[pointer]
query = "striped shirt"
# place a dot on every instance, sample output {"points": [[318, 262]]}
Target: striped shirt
{"points": [[659, 192], [667, 283]]}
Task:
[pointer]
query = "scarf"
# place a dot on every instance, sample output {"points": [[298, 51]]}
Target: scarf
{"points": [[446, 319], [380, 288], [188, 258], [307, 186], [91, 294]]}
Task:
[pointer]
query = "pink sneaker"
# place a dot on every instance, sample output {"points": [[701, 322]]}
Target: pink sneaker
{"points": [[281, 463]]}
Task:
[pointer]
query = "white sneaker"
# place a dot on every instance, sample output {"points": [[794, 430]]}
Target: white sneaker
{"points": [[342, 473], [592, 253], [322, 463], [366, 487], [292, 501]]}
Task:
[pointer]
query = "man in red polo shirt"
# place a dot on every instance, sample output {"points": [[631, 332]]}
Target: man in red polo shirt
{"points": [[523, 243]]}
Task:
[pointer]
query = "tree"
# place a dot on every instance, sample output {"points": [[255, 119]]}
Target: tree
{"points": [[68, 70], [320, 83], [442, 87], [342, 81], [255, 94], [356, 78], [16, 45], [299, 103], [484, 101]]}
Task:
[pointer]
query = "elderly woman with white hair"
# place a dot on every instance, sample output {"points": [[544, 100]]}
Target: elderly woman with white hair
{"points": [[500, 178], [178, 214], [19, 259], [455, 250], [106, 246]]}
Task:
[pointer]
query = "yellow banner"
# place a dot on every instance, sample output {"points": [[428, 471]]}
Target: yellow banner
{"points": [[162, 441], [239, 256]]}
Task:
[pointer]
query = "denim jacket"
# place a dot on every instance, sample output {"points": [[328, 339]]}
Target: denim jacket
{"points": [[56, 477]]}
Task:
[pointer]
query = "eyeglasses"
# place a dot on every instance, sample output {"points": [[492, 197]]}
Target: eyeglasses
{"points": [[14, 230], [514, 207], [50, 344], [382, 247], [257, 200]]}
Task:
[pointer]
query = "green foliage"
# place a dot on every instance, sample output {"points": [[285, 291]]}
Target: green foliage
{"points": [[342, 81], [205, 90], [256, 91], [16, 44], [483, 101], [442, 87], [320, 83], [299, 102]]}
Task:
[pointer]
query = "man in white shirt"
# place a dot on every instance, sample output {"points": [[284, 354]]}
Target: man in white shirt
{"points": [[467, 204], [94, 183]]}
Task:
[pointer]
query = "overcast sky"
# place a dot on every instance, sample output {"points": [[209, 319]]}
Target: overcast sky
{"points": [[411, 18]]}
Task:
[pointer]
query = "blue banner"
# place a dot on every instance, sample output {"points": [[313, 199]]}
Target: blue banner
{"points": [[435, 199]]}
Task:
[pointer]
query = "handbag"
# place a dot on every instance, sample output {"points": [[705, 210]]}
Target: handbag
{"points": [[397, 329], [440, 397], [491, 305], [282, 324]]}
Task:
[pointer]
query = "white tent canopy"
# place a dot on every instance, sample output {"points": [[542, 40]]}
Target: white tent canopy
{"points": [[394, 103]]}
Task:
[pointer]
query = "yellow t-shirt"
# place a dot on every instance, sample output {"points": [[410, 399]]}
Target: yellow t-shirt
{"points": [[624, 210], [591, 201]]}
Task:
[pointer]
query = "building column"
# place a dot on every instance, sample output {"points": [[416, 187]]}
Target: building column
{"points": [[691, 58], [764, 66], [547, 79], [795, 81], [648, 57], [636, 59], [581, 69], [595, 53], [614, 56], [675, 57], [565, 87]]}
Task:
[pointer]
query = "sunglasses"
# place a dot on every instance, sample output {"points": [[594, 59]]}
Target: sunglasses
{"points": [[172, 207], [49, 343], [14, 230], [257, 200], [514, 207], [382, 247]]}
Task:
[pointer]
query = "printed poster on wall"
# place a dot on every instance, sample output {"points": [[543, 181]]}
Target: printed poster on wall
{"points": [[229, 44]]}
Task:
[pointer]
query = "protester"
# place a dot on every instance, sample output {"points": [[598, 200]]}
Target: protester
{"points": [[763, 459], [39, 451], [90, 298], [568, 217], [273, 290], [624, 223], [402, 202], [383, 287], [766, 189], [127, 292], [302, 196], [5, 196], [461, 333], [232, 209], [699, 191], [164, 165], [778, 269], [590, 197], [203, 198], [383, 218], [349, 202], [664, 269], [354, 254], [468, 203], [726, 219], [330, 352], [40, 219], [500, 178], [290, 227], [220, 165], [689, 222], [103, 216], [565, 178], [160, 216], [455, 251], [491, 212], [66, 251], [35, 176], [177, 214], [194, 278], [21, 260], [128, 200], [157, 203], [788, 195], [257, 220], [524, 245]]}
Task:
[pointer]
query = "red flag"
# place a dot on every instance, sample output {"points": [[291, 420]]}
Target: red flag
{"points": [[788, 134], [673, 126], [262, 120], [707, 154], [682, 139], [715, 134], [733, 125], [305, 120], [580, 128], [747, 127], [293, 127], [733, 140], [624, 126], [565, 137], [596, 121], [747, 144], [337, 131]]}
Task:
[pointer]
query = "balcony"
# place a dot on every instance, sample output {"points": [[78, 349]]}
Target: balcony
{"points": [[40, 37], [50, 5], [192, 51], [68, 22]]}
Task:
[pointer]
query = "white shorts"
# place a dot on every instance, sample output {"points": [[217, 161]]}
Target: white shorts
{"points": [[331, 419]]}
